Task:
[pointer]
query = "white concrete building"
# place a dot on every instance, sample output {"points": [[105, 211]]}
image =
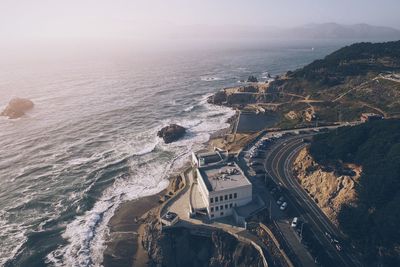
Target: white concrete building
{"points": [[223, 187]]}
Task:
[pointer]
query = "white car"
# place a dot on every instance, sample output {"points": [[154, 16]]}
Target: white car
{"points": [[294, 222], [280, 201], [283, 206]]}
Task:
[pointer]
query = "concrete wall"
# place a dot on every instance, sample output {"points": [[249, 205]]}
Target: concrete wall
{"points": [[195, 162], [244, 196], [203, 189]]}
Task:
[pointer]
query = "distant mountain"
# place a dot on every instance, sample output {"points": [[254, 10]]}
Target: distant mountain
{"points": [[340, 31], [310, 31]]}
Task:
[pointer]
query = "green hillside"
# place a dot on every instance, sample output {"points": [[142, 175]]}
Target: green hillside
{"points": [[363, 77], [374, 222], [354, 60]]}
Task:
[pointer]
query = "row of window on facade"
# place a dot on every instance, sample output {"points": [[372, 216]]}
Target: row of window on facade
{"points": [[221, 198], [222, 207]]}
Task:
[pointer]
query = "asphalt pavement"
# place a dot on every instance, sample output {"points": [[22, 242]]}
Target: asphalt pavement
{"points": [[278, 164]]}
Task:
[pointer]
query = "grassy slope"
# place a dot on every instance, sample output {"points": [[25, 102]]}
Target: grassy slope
{"points": [[351, 68], [374, 222]]}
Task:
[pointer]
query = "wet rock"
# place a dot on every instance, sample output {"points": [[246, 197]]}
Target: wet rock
{"points": [[17, 107], [252, 79], [171, 133]]}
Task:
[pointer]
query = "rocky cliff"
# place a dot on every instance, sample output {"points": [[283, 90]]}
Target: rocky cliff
{"points": [[330, 187], [178, 247]]}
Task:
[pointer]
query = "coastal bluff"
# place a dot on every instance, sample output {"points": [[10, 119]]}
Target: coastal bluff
{"points": [[171, 133], [17, 107], [179, 247]]}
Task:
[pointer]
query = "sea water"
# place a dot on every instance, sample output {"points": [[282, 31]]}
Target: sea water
{"points": [[90, 142]]}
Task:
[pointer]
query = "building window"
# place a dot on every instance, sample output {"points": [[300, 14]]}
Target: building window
{"points": [[235, 205], [235, 195], [221, 198], [226, 197], [230, 196], [216, 208], [222, 213], [221, 207], [216, 199], [212, 215], [230, 205], [226, 206], [212, 209], [211, 200]]}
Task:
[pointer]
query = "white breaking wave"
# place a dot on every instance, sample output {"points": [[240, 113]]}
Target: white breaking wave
{"points": [[190, 108], [210, 78], [86, 234]]}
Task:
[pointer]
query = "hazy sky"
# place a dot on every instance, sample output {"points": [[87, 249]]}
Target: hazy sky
{"points": [[43, 19]]}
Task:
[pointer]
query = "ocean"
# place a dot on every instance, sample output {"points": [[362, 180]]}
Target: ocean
{"points": [[90, 142]]}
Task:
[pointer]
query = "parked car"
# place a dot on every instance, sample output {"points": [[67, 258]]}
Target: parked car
{"points": [[255, 163], [294, 222], [280, 200], [283, 206], [329, 236]]}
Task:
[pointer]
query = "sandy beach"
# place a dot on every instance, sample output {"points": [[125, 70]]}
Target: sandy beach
{"points": [[123, 244]]}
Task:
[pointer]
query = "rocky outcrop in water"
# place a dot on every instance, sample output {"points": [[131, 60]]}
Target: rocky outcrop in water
{"points": [[178, 247], [17, 107], [171, 133]]}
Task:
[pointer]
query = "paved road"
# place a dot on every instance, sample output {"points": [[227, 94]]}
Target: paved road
{"points": [[281, 219], [278, 164]]}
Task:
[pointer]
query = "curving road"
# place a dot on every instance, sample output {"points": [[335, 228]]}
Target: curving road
{"points": [[278, 165]]}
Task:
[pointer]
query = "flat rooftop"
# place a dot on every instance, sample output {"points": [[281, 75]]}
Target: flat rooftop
{"points": [[223, 176], [208, 157]]}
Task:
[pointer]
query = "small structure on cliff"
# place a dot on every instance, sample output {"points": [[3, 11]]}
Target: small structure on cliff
{"points": [[169, 218], [370, 117]]}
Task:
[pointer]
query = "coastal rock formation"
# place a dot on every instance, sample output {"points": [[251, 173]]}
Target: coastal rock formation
{"points": [[17, 107], [248, 89], [178, 247], [330, 188], [252, 79], [218, 98], [171, 133]]}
